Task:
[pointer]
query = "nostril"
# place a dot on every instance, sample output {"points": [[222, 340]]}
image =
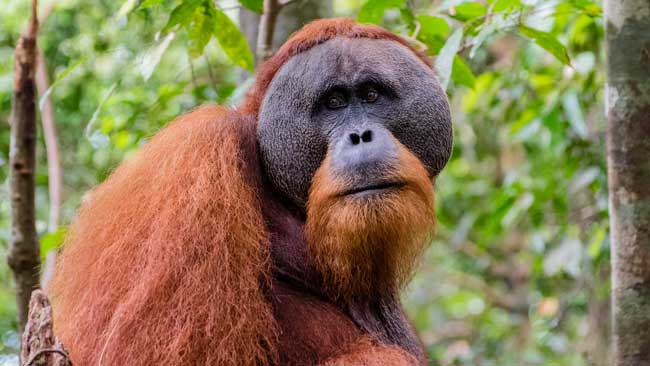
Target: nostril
{"points": [[366, 136], [354, 137]]}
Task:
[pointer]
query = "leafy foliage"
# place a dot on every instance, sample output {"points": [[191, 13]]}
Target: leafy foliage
{"points": [[518, 274], [254, 5]]}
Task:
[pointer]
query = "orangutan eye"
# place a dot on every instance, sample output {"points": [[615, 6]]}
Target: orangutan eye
{"points": [[336, 101], [370, 95]]}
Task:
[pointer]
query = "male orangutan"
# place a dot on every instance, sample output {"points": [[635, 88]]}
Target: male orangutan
{"points": [[277, 233]]}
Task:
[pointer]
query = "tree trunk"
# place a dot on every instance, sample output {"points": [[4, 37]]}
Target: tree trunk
{"points": [[628, 140], [291, 18], [54, 178], [24, 251]]}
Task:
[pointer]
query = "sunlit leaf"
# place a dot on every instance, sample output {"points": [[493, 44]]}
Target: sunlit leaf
{"points": [[431, 26], [200, 30], [182, 14], [254, 5], [588, 7], [58, 79], [433, 31], [150, 4], [574, 114], [152, 57], [232, 40], [548, 42], [52, 241], [461, 73], [497, 22], [96, 138], [126, 8], [408, 17], [596, 244], [468, 11], [445, 59], [502, 5], [373, 10]]}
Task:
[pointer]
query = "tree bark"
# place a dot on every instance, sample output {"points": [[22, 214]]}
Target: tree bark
{"points": [[628, 139], [39, 345], [292, 17], [266, 29], [24, 251]]}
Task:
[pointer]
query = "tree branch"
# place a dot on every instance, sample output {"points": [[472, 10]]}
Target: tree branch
{"points": [[53, 162], [24, 251], [267, 28]]}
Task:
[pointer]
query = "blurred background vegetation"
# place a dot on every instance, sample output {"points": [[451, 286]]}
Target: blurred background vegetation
{"points": [[519, 272]]}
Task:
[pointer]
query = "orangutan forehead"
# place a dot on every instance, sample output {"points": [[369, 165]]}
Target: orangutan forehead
{"points": [[344, 60]]}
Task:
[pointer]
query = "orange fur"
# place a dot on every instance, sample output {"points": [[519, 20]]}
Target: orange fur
{"points": [[167, 260], [163, 264], [368, 246], [365, 352]]}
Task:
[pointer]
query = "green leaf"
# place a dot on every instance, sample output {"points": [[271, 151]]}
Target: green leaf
{"points": [[373, 10], [58, 79], [486, 31], [503, 5], [548, 42], [596, 243], [96, 138], [573, 112], [152, 57], [52, 241], [232, 41], [445, 59], [433, 31], [588, 7], [431, 26], [182, 14], [408, 17], [126, 8], [461, 73], [150, 4], [468, 11], [254, 5], [200, 29]]}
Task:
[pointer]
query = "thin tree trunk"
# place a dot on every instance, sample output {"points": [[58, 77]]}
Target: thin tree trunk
{"points": [[628, 141], [264, 48], [24, 255], [292, 17], [53, 163]]}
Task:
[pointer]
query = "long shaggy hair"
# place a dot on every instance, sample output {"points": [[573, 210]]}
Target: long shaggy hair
{"points": [[163, 264], [166, 261], [366, 246], [366, 353]]}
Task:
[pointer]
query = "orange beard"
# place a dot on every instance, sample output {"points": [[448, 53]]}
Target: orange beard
{"points": [[369, 246]]}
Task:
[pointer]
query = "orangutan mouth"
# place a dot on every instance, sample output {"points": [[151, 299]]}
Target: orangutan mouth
{"points": [[374, 189]]}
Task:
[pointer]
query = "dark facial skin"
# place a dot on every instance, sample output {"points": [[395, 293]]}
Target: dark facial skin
{"points": [[353, 97]]}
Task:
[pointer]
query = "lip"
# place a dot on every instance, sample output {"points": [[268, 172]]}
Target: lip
{"points": [[372, 189]]}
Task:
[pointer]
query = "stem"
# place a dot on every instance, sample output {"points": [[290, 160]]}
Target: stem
{"points": [[24, 251], [53, 163], [267, 28]]}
